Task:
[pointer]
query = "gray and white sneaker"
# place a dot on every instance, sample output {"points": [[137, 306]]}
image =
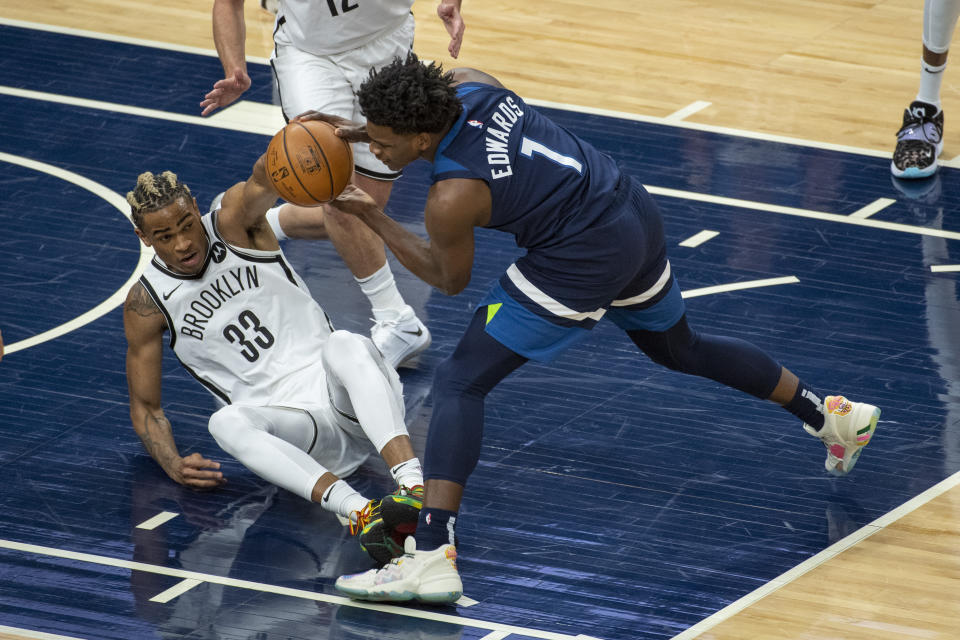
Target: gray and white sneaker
{"points": [[919, 141]]}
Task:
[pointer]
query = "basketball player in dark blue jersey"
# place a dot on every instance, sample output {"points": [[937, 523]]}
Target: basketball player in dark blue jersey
{"points": [[595, 249]]}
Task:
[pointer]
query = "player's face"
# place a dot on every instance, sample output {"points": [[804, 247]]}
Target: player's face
{"points": [[176, 234], [393, 149]]}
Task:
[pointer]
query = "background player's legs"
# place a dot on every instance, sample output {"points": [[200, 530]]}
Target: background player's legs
{"points": [[920, 139], [309, 82], [363, 386], [278, 444], [460, 386]]}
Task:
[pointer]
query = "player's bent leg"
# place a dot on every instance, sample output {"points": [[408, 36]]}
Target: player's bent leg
{"points": [[244, 433], [460, 387], [362, 386]]}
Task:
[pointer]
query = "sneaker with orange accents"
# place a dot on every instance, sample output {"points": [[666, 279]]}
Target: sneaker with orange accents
{"points": [[847, 429], [425, 576], [401, 509], [375, 537]]}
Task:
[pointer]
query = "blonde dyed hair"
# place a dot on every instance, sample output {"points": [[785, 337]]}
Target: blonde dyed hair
{"points": [[154, 192]]}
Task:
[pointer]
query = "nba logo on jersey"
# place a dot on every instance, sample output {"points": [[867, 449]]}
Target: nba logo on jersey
{"points": [[475, 123]]}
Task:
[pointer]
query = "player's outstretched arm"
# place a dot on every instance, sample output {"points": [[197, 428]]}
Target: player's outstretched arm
{"points": [[242, 219], [444, 260], [229, 35], [144, 325], [449, 12], [347, 129]]}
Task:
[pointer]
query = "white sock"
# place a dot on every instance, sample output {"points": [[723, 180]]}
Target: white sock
{"points": [[408, 474], [381, 289], [342, 499], [931, 78]]}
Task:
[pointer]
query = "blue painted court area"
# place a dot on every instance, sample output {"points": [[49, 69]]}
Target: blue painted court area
{"points": [[614, 498]]}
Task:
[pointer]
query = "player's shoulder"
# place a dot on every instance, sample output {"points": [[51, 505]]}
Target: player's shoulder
{"points": [[464, 75], [141, 308]]}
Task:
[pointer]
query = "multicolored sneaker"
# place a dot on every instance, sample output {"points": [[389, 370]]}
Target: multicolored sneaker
{"points": [[401, 509], [847, 429], [425, 576], [919, 141], [374, 536]]}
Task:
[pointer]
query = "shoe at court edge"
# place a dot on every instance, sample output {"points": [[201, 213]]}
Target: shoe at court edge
{"points": [[847, 429], [425, 576], [400, 336], [919, 141]]}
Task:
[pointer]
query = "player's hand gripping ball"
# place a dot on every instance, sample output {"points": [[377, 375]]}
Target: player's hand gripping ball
{"points": [[308, 163]]}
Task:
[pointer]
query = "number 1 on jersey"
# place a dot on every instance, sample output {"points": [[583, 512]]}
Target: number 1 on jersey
{"points": [[529, 147]]}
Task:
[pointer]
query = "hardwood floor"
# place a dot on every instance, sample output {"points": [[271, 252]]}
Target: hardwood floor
{"points": [[832, 71]]}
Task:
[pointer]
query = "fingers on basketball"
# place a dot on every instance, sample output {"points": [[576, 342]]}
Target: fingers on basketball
{"points": [[308, 163]]}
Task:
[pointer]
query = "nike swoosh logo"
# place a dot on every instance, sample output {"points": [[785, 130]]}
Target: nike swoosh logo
{"points": [[167, 295], [418, 332]]}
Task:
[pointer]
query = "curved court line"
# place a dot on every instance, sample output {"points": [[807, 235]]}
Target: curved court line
{"points": [[286, 591], [115, 300]]}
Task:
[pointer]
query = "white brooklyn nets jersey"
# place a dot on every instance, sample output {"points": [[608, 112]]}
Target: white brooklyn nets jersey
{"points": [[245, 326], [326, 27]]}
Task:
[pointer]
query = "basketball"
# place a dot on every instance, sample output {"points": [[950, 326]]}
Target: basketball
{"points": [[308, 164]]}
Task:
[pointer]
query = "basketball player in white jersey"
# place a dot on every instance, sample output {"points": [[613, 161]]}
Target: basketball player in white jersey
{"points": [[302, 403], [323, 52]]}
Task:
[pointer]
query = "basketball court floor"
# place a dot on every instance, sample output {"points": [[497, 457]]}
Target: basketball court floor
{"points": [[614, 499]]}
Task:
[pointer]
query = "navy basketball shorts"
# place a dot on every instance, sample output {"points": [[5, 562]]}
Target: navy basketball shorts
{"points": [[616, 269]]}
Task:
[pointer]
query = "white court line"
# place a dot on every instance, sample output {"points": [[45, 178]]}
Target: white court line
{"points": [[877, 205], [108, 305], [109, 37], [157, 520], [689, 110], [267, 128], [803, 213], [736, 286], [226, 119], [942, 268], [176, 590], [284, 591], [827, 554], [623, 115], [698, 239], [38, 635], [495, 635]]}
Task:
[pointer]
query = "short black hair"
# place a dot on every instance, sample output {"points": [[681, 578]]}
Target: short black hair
{"points": [[154, 192], [410, 97]]}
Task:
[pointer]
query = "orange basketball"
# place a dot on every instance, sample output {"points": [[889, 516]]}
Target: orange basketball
{"points": [[308, 163]]}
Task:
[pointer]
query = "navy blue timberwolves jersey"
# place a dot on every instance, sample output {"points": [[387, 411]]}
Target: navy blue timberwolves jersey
{"points": [[546, 184]]}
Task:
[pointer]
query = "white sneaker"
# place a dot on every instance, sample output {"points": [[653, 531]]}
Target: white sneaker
{"points": [[400, 337], [847, 429], [270, 5], [427, 576]]}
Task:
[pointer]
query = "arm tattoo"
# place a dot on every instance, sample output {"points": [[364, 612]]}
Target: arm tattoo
{"points": [[140, 302], [157, 438]]}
